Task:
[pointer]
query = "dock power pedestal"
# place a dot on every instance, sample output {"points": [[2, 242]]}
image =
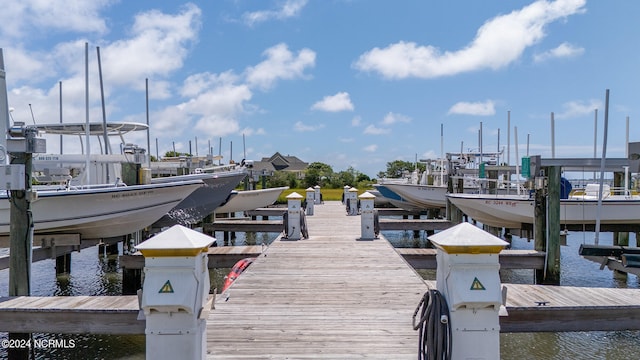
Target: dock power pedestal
{"points": [[467, 276], [175, 294]]}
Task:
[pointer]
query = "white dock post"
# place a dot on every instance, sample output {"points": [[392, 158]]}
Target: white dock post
{"points": [[367, 228], [344, 194], [310, 200], [318, 196], [293, 216], [175, 294], [352, 202], [467, 276]]}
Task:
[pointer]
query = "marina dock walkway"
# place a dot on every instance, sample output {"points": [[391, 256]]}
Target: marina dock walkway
{"points": [[328, 296]]}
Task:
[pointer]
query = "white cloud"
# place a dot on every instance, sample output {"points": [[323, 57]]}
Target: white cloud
{"points": [[370, 148], [498, 42], [252, 131], [574, 109], [290, 8], [22, 65], [25, 17], [373, 130], [280, 64], [356, 121], [158, 47], [485, 108], [334, 103], [301, 127], [564, 50], [392, 118], [197, 83], [213, 110]]}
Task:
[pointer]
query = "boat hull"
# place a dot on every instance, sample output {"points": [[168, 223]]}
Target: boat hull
{"points": [[104, 212], [395, 199], [203, 201], [511, 211], [425, 196], [250, 200]]}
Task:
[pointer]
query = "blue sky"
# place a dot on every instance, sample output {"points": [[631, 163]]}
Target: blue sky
{"points": [[345, 82]]}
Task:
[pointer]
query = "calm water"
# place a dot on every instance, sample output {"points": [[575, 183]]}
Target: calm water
{"points": [[93, 274]]}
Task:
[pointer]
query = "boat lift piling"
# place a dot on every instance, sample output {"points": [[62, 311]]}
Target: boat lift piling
{"points": [[16, 177], [546, 219]]}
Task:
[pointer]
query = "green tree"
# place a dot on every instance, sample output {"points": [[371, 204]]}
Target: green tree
{"points": [[317, 173], [396, 168], [346, 177], [283, 178], [172, 153]]}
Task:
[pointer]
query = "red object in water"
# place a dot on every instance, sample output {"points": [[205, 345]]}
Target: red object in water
{"points": [[236, 270]]}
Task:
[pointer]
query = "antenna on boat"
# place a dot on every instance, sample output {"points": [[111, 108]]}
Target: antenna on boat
{"points": [[441, 153], [602, 160], [146, 95], [60, 87], [4, 108], [508, 137], [553, 136], [86, 101], [32, 117]]}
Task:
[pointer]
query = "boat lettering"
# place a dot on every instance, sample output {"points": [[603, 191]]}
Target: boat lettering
{"points": [[501, 203], [132, 194], [47, 158]]}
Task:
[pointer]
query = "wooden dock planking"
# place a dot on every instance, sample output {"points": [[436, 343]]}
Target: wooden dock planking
{"points": [[44, 253], [565, 308], [421, 258], [330, 296], [219, 256], [327, 296], [414, 224], [244, 225], [71, 314]]}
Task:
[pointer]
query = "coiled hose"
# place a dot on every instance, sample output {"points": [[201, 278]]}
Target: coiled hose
{"points": [[434, 335]]}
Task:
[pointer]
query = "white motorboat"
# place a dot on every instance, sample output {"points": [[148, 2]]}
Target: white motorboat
{"points": [[511, 211], [101, 211], [422, 196], [250, 199], [395, 199]]}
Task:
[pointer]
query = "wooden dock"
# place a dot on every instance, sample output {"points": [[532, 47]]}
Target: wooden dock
{"points": [[71, 314], [418, 258], [219, 257], [52, 246], [329, 296]]}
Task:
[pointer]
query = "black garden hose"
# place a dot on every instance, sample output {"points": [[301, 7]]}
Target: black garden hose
{"points": [[434, 341]]}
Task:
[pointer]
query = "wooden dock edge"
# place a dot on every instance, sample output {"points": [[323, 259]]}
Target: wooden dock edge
{"points": [[119, 314]]}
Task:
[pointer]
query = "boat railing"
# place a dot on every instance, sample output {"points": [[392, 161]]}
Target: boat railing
{"points": [[502, 186], [592, 190]]}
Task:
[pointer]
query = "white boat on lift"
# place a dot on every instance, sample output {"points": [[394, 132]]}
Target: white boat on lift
{"points": [[250, 199], [93, 211], [511, 211], [100, 211]]}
